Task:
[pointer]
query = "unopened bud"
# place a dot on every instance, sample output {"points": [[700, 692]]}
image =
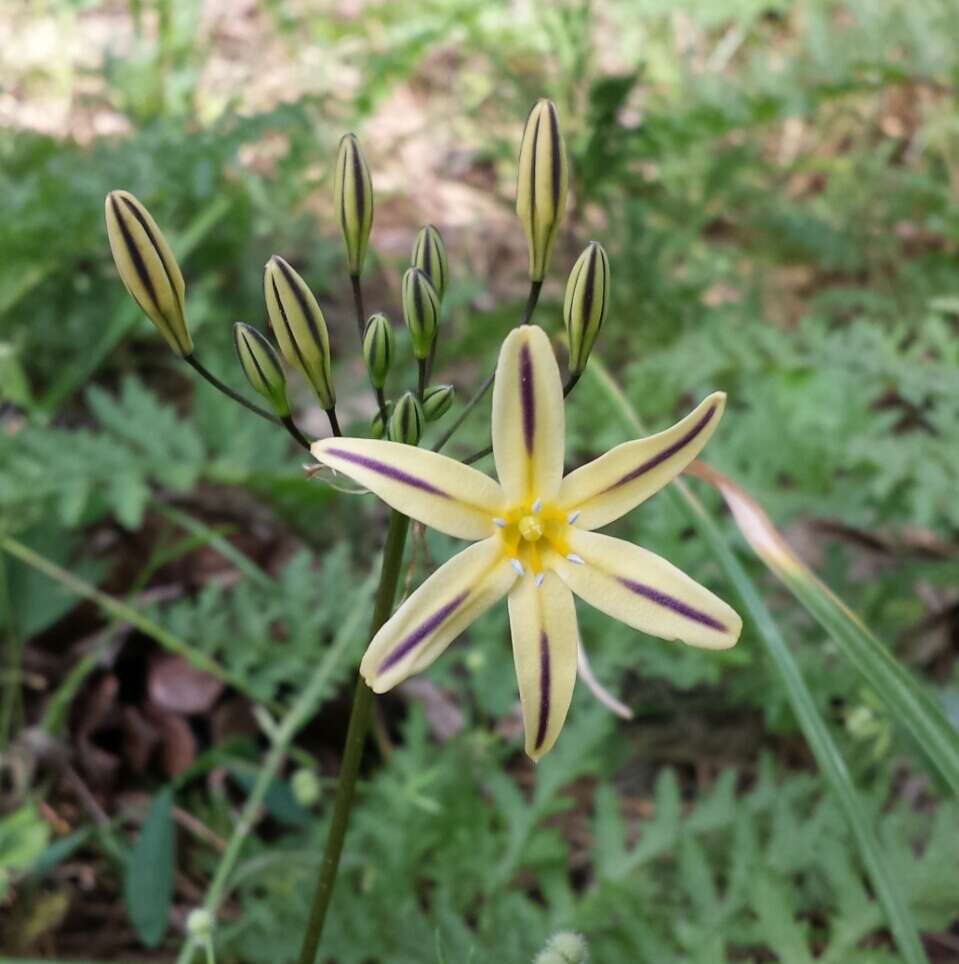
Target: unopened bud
{"points": [[586, 303], [437, 401], [429, 255], [299, 327], [305, 786], [148, 268], [406, 422], [421, 311], [353, 200], [377, 427], [566, 947], [542, 183], [378, 348], [199, 923], [262, 367]]}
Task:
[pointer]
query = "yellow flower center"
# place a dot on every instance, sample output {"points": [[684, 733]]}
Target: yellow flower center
{"points": [[530, 528]]}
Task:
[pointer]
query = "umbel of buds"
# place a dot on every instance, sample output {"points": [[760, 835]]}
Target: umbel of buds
{"points": [[586, 303], [353, 200], [262, 367], [299, 327], [378, 348], [148, 268], [437, 401], [406, 422], [421, 311], [429, 255], [541, 188]]}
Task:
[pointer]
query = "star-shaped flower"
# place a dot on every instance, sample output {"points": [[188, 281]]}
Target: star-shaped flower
{"points": [[533, 538]]}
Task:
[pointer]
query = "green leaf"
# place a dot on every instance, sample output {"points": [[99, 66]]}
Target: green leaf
{"points": [[148, 887]]}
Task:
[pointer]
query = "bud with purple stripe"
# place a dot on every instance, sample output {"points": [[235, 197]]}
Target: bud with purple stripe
{"points": [[421, 311], [353, 201], [429, 255], [406, 422], [586, 303]]}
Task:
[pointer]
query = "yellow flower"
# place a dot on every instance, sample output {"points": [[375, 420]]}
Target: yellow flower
{"points": [[533, 538]]}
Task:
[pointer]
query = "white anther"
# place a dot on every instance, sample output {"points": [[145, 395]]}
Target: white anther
{"points": [[574, 558], [518, 566], [537, 505], [572, 517], [538, 581], [501, 523]]}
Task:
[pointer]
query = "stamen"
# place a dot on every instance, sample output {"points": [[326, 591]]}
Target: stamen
{"points": [[501, 523], [518, 566], [537, 505], [538, 581], [572, 517], [574, 558]]}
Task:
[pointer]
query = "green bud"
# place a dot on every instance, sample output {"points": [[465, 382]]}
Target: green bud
{"points": [[299, 327], [406, 422], [437, 401], [378, 348], [262, 367], [566, 947], [305, 786], [148, 269], [421, 310], [377, 428], [353, 200], [429, 255], [200, 923], [542, 183], [586, 302]]}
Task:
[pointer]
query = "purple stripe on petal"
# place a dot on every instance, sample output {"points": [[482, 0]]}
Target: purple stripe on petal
{"points": [[670, 602], [422, 631], [670, 450], [543, 689], [527, 398], [397, 475]]}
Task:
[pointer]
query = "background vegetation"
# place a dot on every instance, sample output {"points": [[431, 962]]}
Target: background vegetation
{"points": [[776, 184]]}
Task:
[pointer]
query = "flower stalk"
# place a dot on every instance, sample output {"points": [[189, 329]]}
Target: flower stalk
{"points": [[355, 740]]}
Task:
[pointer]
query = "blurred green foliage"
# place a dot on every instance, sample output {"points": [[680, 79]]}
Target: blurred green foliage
{"points": [[777, 188]]}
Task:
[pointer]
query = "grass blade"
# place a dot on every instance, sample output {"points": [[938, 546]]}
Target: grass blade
{"points": [[814, 728], [911, 706]]}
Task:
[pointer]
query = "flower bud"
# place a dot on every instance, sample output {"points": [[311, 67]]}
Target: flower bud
{"points": [[353, 200], [378, 348], [377, 428], [148, 268], [262, 367], [566, 947], [421, 311], [299, 327], [437, 401], [586, 302], [429, 255], [542, 183], [406, 422], [200, 923], [305, 786]]}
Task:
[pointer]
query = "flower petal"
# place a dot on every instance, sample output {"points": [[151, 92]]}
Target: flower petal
{"points": [[458, 592], [528, 421], [545, 638], [431, 488], [618, 481], [645, 591]]}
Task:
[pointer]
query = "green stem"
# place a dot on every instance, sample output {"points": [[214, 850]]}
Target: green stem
{"points": [[195, 363], [300, 713], [296, 434], [355, 739], [11, 708], [421, 378]]}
